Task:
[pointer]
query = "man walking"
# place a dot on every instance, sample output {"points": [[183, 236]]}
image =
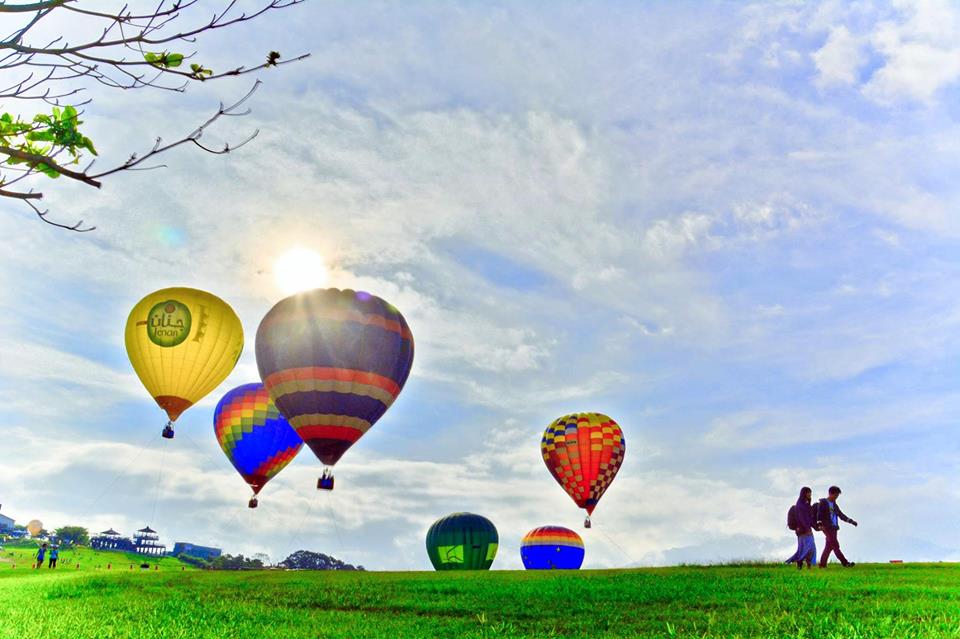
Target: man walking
{"points": [[54, 555], [41, 554], [828, 519]]}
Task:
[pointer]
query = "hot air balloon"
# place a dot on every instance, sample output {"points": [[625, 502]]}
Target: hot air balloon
{"points": [[583, 452], [334, 361], [34, 526], [182, 343], [462, 541], [551, 548], [254, 436]]}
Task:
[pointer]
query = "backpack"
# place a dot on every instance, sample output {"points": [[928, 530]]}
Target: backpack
{"points": [[792, 522]]}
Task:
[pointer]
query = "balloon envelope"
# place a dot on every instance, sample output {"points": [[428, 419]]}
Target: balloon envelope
{"points": [[462, 541], [34, 527], [551, 548], [583, 452], [253, 434], [182, 343], [334, 361]]}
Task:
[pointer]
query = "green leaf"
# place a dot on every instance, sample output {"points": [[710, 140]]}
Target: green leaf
{"points": [[48, 170], [40, 136], [152, 57], [69, 113], [174, 60], [87, 143], [199, 71]]}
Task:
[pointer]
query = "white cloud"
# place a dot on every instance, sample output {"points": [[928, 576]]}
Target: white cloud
{"points": [[840, 58], [710, 249]]}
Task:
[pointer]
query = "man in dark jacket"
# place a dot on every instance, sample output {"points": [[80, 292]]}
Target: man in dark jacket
{"points": [[829, 516]]}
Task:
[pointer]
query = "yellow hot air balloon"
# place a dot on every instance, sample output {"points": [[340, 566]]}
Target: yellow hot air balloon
{"points": [[182, 343], [34, 527]]}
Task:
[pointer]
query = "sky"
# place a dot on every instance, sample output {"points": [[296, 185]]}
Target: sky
{"points": [[731, 226]]}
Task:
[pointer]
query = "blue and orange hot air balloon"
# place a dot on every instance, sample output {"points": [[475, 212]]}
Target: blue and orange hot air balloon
{"points": [[583, 452], [333, 361], [551, 548], [254, 436]]}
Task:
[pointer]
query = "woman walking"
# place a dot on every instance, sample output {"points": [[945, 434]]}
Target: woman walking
{"points": [[806, 545]]}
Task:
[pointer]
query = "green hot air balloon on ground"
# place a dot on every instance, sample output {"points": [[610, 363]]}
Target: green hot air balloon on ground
{"points": [[462, 541]]}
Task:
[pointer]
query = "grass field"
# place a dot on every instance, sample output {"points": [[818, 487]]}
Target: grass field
{"points": [[22, 555], [748, 601]]}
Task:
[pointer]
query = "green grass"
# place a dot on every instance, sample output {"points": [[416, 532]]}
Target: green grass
{"points": [[735, 601], [22, 554]]}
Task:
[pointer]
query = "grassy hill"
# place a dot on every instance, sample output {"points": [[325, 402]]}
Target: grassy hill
{"points": [[749, 601], [22, 555]]}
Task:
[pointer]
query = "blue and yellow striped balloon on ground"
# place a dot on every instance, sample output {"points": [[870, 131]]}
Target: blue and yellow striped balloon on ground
{"points": [[551, 548], [334, 361], [253, 435]]}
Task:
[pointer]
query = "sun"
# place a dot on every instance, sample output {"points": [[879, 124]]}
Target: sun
{"points": [[299, 269]]}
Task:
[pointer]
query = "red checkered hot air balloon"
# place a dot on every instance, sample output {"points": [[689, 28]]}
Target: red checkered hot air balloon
{"points": [[333, 361], [583, 452]]}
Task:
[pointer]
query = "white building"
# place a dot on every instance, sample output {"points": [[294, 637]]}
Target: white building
{"points": [[6, 523]]}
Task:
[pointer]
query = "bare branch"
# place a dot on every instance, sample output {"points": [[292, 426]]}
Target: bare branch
{"points": [[17, 195], [42, 214], [191, 138]]}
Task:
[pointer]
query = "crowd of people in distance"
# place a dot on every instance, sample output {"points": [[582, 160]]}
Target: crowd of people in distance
{"points": [[825, 515], [52, 556]]}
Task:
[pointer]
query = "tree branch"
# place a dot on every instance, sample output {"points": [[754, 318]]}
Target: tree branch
{"points": [[36, 159], [33, 6]]}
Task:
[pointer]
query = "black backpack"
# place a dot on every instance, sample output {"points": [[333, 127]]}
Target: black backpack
{"points": [[792, 522]]}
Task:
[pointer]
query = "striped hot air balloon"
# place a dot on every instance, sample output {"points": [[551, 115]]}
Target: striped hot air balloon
{"points": [[254, 436], [333, 361], [551, 548], [583, 452]]}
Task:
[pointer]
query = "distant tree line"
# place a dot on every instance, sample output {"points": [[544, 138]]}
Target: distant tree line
{"points": [[300, 560], [307, 560]]}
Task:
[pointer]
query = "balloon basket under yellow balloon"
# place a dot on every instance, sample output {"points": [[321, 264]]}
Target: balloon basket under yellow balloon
{"points": [[168, 431]]}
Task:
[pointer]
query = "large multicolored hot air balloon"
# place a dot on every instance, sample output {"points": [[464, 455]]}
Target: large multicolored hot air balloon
{"points": [[254, 436], [551, 548], [583, 452], [334, 361], [182, 343], [34, 527], [462, 541]]}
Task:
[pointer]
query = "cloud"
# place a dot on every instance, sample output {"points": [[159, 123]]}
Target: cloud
{"points": [[840, 58], [730, 230]]}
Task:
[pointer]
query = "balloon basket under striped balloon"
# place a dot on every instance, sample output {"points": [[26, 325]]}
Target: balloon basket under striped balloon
{"points": [[325, 482]]}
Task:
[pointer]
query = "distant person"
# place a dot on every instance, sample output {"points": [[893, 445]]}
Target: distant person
{"points": [[41, 554], [54, 555], [828, 518], [802, 519]]}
